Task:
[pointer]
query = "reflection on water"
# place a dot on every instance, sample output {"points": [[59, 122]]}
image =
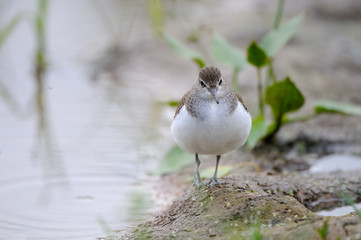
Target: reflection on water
{"points": [[44, 144], [89, 164]]}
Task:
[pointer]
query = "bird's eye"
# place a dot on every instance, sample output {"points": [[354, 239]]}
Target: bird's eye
{"points": [[203, 84], [220, 81]]}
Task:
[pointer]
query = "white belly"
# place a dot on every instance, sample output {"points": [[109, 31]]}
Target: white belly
{"points": [[217, 134]]}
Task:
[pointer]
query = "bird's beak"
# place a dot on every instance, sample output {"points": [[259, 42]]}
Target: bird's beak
{"points": [[213, 91]]}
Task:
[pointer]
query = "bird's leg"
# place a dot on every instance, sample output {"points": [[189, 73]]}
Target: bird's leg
{"points": [[197, 178], [214, 179]]}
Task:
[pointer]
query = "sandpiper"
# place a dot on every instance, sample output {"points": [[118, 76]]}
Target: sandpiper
{"points": [[211, 119]]}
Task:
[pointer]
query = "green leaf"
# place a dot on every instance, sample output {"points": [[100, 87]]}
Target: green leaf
{"points": [[226, 53], [283, 97], [274, 40], [185, 52], [327, 106], [174, 160], [172, 103], [259, 130], [256, 56], [200, 62]]}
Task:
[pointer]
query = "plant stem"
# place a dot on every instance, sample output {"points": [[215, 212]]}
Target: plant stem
{"points": [[271, 73], [235, 80], [280, 120], [276, 128], [157, 16], [260, 92], [349, 201], [278, 14], [40, 71]]}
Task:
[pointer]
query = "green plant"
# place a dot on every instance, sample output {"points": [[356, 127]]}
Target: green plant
{"points": [[258, 58], [282, 96], [324, 230], [349, 201], [5, 32], [257, 234], [9, 28], [40, 60], [40, 67]]}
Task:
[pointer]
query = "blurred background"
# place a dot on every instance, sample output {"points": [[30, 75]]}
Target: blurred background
{"points": [[83, 86]]}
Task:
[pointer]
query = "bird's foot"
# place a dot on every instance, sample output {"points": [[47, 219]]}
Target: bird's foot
{"points": [[197, 182], [213, 181]]}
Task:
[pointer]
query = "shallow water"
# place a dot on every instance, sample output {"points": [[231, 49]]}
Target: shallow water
{"points": [[95, 166], [78, 185], [337, 162], [340, 211]]}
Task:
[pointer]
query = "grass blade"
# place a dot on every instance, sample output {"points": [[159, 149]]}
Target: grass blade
{"points": [[7, 30]]}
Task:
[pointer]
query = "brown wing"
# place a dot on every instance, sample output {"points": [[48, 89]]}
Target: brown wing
{"points": [[241, 101], [181, 103]]}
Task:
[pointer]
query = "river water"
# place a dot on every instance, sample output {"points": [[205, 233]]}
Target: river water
{"points": [[79, 181]]}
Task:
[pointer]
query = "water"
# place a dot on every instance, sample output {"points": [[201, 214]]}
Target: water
{"points": [[96, 166], [339, 211], [337, 162], [99, 150]]}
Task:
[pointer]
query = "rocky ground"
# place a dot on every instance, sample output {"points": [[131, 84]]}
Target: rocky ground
{"points": [[259, 206]]}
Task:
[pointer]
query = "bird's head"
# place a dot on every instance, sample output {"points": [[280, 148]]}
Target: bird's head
{"points": [[209, 82]]}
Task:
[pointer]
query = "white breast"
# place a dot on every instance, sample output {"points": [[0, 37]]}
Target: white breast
{"points": [[217, 134]]}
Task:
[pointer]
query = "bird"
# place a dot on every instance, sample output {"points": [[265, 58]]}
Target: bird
{"points": [[210, 119]]}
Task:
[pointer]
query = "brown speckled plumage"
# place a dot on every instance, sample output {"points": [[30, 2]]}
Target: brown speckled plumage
{"points": [[241, 101], [182, 102], [192, 101]]}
